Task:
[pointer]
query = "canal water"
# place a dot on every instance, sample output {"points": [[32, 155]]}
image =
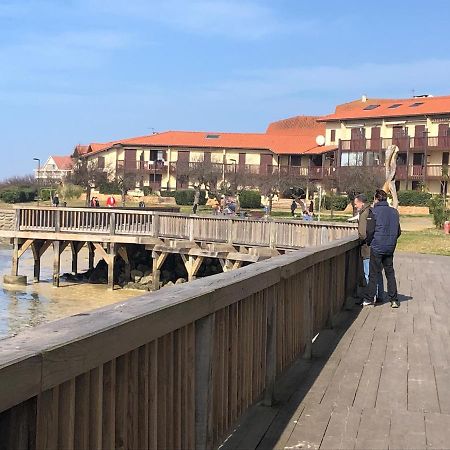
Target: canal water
{"points": [[22, 307]]}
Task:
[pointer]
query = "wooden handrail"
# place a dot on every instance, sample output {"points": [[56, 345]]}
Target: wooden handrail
{"points": [[174, 369]]}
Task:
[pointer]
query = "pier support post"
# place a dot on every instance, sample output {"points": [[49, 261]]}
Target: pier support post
{"points": [[158, 261], [15, 258], [91, 255], [56, 262], [75, 248], [38, 247], [111, 261], [123, 253]]}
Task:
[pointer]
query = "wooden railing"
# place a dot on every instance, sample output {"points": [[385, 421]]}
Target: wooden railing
{"points": [[268, 233], [174, 369]]}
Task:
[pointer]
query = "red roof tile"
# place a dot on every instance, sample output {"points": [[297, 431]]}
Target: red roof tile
{"points": [[298, 125], [277, 143], [63, 162], [423, 106]]}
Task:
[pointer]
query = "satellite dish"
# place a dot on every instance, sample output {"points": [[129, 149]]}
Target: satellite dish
{"points": [[320, 140]]}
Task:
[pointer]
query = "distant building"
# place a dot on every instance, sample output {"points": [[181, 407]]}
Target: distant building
{"points": [[419, 126], [356, 135], [160, 160], [55, 169]]}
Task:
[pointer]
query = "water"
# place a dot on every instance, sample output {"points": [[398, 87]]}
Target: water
{"points": [[22, 307]]}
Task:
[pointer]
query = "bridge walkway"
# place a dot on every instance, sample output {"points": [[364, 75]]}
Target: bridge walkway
{"points": [[379, 379]]}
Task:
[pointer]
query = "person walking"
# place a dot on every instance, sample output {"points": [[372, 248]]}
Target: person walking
{"points": [[55, 200], [383, 230], [196, 201], [363, 208], [293, 208], [111, 201]]}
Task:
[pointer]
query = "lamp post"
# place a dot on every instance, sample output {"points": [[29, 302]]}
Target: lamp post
{"points": [[320, 200], [234, 171], [38, 178]]}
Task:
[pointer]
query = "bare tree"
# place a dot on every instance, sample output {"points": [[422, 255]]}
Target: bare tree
{"points": [[87, 174], [201, 174], [354, 180]]}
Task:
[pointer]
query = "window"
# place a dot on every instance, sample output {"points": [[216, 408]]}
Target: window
{"points": [[156, 155], [369, 107], [395, 105], [416, 104], [212, 136], [352, 159], [296, 160], [333, 136]]}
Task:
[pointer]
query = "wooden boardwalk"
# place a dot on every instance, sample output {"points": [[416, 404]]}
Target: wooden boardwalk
{"points": [[385, 383]]}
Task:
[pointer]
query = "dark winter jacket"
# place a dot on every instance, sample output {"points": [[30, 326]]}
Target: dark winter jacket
{"points": [[383, 228], [362, 231]]}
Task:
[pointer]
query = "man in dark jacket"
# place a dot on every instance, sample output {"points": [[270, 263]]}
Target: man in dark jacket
{"points": [[383, 230], [363, 208]]}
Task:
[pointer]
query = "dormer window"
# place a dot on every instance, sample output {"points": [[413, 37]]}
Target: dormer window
{"points": [[370, 107]]}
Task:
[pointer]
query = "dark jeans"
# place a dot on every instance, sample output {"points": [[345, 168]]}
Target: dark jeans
{"points": [[377, 263]]}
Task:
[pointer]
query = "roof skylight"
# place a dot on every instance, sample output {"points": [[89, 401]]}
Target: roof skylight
{"points": [[395, 105], [369, 107], [416, 104], [212, 136]]}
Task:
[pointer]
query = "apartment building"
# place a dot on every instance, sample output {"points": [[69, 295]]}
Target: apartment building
{"points": [[161, 160], [54, 169], [419, 126]]}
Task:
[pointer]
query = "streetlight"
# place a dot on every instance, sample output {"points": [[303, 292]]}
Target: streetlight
{"points": [[320, 199], [38, 177]]}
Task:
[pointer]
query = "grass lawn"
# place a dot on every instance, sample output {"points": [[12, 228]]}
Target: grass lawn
{"points": [[431, 241]]}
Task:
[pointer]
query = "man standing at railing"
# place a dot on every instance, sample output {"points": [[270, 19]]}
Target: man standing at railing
{"points": [[383, 230], [363, 208]]}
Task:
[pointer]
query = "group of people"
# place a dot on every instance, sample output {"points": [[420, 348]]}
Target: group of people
{"points": [[95, 203], [307, 212], [226, 205], [378, 230], [110, 202]]}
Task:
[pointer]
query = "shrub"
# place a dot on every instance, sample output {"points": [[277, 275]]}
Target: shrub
{"points": [[168, 193], [335, 202], [15, 194], [250, 199], [437, 201], [413, 198], [186, 197], [69, 191], [147, 190], [109, 187], [440, 215]]}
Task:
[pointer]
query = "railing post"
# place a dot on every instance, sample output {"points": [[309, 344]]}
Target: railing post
{"points": [[204, 347], [155, 225], [191, 228], [57, 217], [273, 234], [271, 348], [17, 219], [230, 231], [112, 223]]}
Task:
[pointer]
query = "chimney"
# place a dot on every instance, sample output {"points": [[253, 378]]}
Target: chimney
{"points": [[364, 98]]}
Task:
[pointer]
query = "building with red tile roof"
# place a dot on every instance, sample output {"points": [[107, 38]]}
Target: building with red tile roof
{"points": [[55, 168]]}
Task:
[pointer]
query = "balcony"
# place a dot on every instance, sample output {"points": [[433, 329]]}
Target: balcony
{"points": [[141, 166], [404, 143], [418, 172]]}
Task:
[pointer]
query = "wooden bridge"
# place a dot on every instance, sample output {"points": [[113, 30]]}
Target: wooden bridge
{"points": [[108, 231]]}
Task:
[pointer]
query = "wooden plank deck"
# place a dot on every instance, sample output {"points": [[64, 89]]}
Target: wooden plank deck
{"points": [[380, 379]]}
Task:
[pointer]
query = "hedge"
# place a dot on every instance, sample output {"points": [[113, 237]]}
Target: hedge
{"points": [[15, 194], [413, 198], [335, 202], [109, 187], [186, 197], [250, 199]]}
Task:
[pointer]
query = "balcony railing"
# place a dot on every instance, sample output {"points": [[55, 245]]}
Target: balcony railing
{"points": [[404, 143], [418, 172], [141, 166]]}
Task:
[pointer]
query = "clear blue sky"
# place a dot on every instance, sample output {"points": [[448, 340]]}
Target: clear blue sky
{"points": [[96, 70]]}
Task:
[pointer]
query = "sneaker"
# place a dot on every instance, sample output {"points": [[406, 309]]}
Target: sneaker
{"points": [[367, 303], [395, 304]]}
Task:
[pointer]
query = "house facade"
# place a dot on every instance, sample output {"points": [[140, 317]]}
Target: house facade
{"points": [[56, 168], [419, 126], [170, 160]]}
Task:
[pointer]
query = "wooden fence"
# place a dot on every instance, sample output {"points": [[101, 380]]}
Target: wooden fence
{"points": [[173, 369], [123, 222]]}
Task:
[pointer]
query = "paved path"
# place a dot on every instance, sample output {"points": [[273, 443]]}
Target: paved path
{"points": [[385, 385]]}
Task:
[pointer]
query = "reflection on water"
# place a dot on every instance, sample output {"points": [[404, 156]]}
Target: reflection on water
{"points": [[22, 307]]}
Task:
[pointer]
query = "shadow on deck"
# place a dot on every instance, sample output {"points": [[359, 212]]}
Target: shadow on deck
{"points": [[378, 379]]}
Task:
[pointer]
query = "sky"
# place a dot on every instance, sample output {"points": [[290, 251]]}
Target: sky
{"points": [[86, 71]]}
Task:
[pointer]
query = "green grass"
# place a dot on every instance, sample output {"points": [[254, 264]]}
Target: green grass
{"points": [[431, 241]]}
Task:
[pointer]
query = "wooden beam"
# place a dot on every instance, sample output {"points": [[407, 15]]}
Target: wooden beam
{"points": [[75, 248], [25, 246], [196, 266], [15, 258], [122, 252], [91, 248], [110, 261], [102, 251]]}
